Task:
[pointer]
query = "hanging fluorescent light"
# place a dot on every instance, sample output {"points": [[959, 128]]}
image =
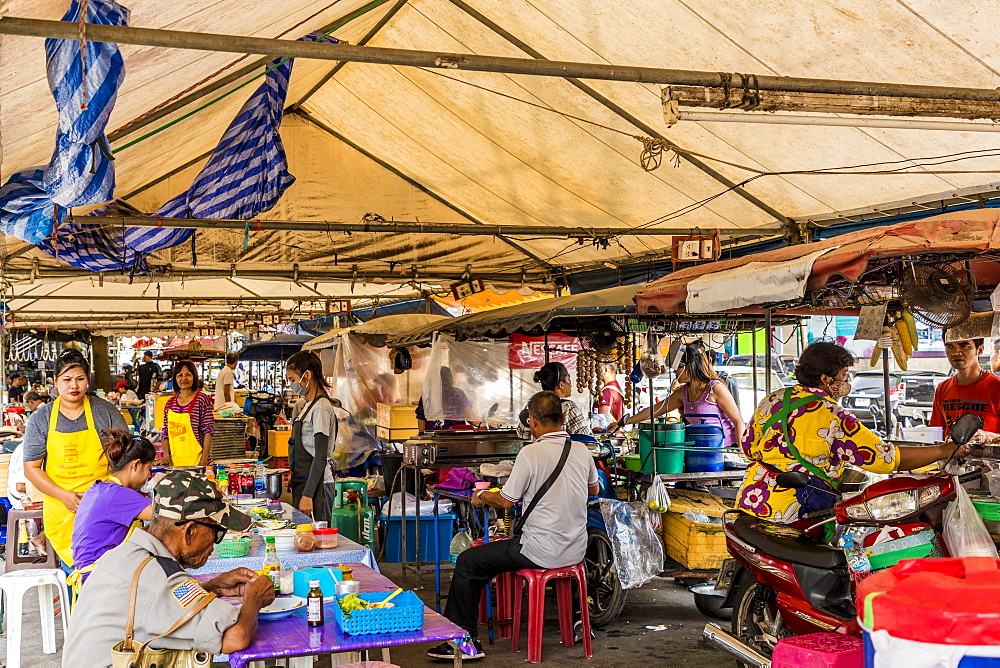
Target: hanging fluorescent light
{"points": [[835, 121]]}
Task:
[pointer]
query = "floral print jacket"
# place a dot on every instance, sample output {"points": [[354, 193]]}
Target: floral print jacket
{"points": [[824, 434]]}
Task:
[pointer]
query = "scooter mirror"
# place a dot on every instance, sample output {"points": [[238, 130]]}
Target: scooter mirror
{"points": [[965, 428], [792, 479]]}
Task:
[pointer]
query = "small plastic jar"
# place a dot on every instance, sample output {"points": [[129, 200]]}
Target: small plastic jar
{"points": [[326, 538], [305, 540]]}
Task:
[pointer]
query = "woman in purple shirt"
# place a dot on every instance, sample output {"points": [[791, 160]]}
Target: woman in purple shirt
{"points": [[109, 509]]}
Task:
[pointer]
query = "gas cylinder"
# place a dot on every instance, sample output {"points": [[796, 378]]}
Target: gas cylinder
{"points": [[351, 513]]}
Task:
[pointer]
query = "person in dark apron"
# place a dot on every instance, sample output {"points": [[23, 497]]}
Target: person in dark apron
{"points": [[314, 433]]}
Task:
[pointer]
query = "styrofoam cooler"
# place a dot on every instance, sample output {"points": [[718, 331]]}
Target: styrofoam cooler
{"points": [[932, 613], [819, 650]]}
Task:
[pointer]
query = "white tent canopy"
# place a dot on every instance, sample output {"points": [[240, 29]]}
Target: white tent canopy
{"points": [[447, 146]]}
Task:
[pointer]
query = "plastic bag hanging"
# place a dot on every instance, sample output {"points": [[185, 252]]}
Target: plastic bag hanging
{"points": [[636, 547], [964, 531]]}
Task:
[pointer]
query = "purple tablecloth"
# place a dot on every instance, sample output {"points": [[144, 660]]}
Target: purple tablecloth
{"points": [[347, 551], [293, 637]]}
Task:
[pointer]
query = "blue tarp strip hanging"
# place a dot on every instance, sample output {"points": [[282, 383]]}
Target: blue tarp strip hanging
{"points": [[244, 177], [81, 171]]}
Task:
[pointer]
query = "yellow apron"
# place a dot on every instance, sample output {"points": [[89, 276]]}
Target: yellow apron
{"points": [[75, 579], [73, 461], [185, 450]]}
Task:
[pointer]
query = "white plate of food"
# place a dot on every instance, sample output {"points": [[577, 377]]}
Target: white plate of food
{"points": [[283, 606]]}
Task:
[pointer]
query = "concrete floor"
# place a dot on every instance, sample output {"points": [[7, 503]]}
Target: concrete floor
{"points": [[626, 641]]}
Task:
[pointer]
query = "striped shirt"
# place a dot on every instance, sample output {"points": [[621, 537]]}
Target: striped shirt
{"points": [[202, 418]]}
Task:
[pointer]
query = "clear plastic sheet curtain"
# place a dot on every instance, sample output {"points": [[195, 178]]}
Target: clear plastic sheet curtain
{"points": [[472, 380], [361, 378]]}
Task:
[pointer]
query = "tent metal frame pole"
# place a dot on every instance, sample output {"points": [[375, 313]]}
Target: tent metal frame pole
{"points": [[626, 116], [361, 42], [402, 227], [307, 274], [177, 39], [209, 88], [767, 351], [419, 186], [886, 403]]}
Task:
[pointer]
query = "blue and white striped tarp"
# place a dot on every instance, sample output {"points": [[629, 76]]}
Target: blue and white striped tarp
{"points": [[244, 177], [82, 170], [26, 212]]}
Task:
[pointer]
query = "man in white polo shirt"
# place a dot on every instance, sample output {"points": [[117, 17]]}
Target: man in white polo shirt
{"points": [[554, 533]]}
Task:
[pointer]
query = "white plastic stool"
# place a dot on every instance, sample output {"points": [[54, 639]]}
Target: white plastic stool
{"points": [[50, 582]]}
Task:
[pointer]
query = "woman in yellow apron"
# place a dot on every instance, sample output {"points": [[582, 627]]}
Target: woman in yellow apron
{"points": [[63, 455], [109, 510], [188, 421]]}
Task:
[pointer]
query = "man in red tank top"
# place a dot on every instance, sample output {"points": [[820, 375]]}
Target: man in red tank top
{"points": [[971, 390]]}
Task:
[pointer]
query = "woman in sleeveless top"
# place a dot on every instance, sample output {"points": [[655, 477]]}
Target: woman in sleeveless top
{"points": [[701, 393]]}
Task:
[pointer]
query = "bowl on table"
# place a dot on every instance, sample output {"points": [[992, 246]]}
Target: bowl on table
{"points": [[283, 606]]}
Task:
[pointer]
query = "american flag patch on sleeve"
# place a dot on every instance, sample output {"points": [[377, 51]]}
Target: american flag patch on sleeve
{"points": [[188, 592]]}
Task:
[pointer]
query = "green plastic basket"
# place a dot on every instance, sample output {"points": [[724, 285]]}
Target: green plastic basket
{"points": [[230, 548], [887, 559], [988, 510]]}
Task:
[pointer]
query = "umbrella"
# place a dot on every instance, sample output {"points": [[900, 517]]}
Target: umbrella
{"points": [[276, 349]]}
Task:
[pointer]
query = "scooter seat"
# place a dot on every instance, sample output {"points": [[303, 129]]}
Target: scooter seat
{"points": [[787, 543]]}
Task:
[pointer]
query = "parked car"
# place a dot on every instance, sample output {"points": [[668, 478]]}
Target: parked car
{"points": [[783, 365], [911, 396]]}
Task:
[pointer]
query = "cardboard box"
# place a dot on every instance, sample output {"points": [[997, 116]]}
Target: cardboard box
{"points": [[396, 416], [696, 545], [396, 433], [277, 442]]}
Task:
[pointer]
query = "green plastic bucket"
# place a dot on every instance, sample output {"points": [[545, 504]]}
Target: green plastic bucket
{"points": [[669, 460]]}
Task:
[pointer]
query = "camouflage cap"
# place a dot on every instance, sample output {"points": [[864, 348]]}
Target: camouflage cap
{"points": [[182, 495]]}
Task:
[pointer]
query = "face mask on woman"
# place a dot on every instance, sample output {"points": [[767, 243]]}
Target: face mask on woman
{"points": [[839, 389], [299, 388]]}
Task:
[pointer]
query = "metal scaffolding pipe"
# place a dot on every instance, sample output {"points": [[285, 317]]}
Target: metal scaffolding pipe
{"points": [[402, 274], [410, 227], [14, 25]]}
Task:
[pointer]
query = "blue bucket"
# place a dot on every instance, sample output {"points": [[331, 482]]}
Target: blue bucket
{"points": [[708, 443]]}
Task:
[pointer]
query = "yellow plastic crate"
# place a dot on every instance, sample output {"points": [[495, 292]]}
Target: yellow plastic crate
{"points": [[695, 545]]}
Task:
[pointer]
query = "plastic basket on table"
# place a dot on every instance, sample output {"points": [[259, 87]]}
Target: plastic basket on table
{"points": [[233, 547], [406, 615]]}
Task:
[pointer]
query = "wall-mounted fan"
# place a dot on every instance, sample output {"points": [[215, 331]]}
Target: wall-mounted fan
{"points": [[937, 294]]}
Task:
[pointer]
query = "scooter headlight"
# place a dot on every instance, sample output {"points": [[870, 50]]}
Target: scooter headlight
{"points": [[895, 505], [892, 506]]}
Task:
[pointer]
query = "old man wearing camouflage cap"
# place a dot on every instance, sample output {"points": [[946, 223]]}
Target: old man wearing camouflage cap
{"points": [[189, 518]]}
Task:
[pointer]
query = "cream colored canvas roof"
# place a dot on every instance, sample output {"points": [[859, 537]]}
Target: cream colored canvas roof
{"points": [[453, 147]]}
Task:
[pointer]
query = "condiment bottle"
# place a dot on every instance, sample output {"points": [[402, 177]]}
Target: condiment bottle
{"points": [[305, 541], [314, 604], [271, 565]]}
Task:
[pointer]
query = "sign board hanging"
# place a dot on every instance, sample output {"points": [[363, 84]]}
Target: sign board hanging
{"points": [[528, 352]]}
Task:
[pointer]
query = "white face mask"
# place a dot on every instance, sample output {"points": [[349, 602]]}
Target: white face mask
{"points": [[839, 389]]}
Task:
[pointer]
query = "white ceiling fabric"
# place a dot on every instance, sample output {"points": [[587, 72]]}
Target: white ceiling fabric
{"points": [[442, 151]]}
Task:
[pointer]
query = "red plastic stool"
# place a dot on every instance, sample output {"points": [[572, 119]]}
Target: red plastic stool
{"points": [[503, 584], [537, 579]]}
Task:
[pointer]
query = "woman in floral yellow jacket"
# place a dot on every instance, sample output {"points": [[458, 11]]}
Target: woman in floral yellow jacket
{"points": [[803, 428]]}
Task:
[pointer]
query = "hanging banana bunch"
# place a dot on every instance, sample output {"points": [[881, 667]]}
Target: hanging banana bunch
{"points": [[900, 337]]}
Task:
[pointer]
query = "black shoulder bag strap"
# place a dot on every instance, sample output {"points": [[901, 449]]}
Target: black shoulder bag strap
{"points": [[516, 531]]}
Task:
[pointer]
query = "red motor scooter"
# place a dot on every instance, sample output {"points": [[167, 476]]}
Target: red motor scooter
{"points": [[784, 580]]}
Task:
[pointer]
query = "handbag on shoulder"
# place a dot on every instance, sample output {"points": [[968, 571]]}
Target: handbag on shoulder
{"points": [[127, 654]]}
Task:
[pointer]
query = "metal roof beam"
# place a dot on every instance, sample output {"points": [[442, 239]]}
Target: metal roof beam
{"points": [[626, 116], [381, 225], [177, 39]]}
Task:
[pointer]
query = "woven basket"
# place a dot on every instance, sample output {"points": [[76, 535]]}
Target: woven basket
{"points": [[233, 547], [406, 615]]}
